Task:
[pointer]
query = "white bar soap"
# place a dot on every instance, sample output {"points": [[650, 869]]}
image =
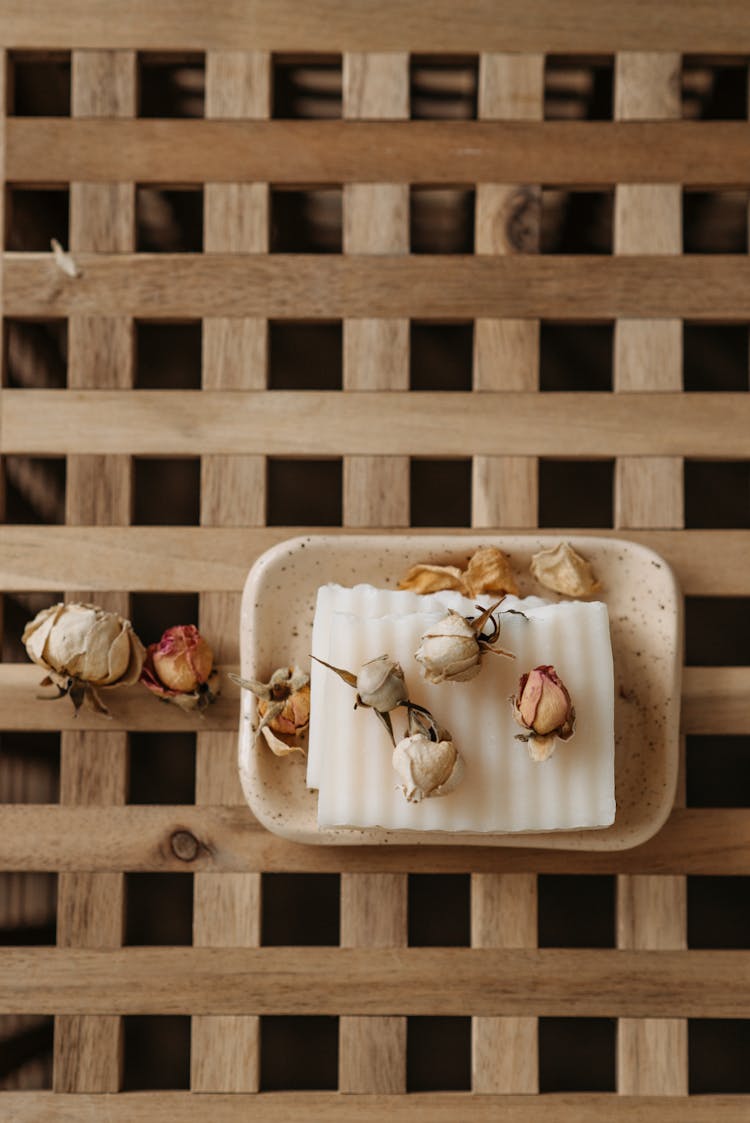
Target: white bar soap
{"points": [[349, 757]]}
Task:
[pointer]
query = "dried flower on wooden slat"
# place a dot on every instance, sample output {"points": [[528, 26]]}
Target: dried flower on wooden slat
{"points": [[180, 668], [488, 571], [83, 648], [452, 649], [562, 569], [283, 708], [543, 707]]}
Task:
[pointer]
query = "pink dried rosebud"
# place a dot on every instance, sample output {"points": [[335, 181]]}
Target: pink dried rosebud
{"points": [[544, 708], [178, 668], [294, 716]]}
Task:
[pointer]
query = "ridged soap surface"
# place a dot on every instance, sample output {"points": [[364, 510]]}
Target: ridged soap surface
{"points": [[503, 790]]}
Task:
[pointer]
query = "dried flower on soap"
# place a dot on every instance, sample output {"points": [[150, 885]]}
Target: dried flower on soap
{"points": [[180, 668], [427, 768], [452, 649], [283, 708], [543, 707], [488, 571], [563, 570], [379, 684], [82, 647]]}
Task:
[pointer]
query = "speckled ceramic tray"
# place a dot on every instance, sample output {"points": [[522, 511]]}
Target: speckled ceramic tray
{"points": [[645, 612]]}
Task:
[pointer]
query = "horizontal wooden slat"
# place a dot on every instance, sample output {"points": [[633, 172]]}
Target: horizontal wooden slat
{"points": [[26, 705], [589, 982], [229, 839], [715, 700], [332, 423], [699, 286], [176, 559], [389, 25], [294, 152], [330, 1107]]}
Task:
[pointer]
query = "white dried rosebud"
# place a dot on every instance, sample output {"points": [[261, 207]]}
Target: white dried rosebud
{"points": [[81, 646], [449, 651], [380, 684], [543, 707], [427, 768], [563, 570]]}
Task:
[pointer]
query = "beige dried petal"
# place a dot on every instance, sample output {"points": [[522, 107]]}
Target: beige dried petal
{"points": [[36, 633], [432, 579], [563, 570], [541, 748], [279, 747], [489, 571]]}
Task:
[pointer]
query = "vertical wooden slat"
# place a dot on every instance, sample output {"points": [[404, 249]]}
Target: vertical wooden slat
{"points": [[225, 1050], [372, 1051], [94, 766], [504, 493], [506, 352], [651, 911]]}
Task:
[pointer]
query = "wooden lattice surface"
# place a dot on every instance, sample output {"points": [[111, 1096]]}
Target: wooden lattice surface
{"points": [[397, 184]]}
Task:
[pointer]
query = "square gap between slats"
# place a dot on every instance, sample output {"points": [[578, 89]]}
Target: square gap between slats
{"points": [[578, 88], [29, 765], [29, 917], [168, 354], [35, 354], [38, 83], [171, 84], [714, 89], [718, 770], [26, 1043], [36, 215], [307, 86], [715, 357], [168, 219]]}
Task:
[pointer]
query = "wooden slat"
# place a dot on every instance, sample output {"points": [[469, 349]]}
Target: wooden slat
{"points": [[229, 840], [329, 1107], [583, 982], [715, 700], [652, 1054], [577, 153], [431, 286], [88, 1051], [225, 1050], [372, 1051], [390, 25], [216, 559], [505, 492], [330, 423]]}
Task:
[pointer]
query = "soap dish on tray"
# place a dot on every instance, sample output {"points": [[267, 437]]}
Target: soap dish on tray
{"points": [[645, 611]]}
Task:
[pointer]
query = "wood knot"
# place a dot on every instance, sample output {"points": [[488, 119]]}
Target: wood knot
{"points": [[522, 220], [185, 846]]}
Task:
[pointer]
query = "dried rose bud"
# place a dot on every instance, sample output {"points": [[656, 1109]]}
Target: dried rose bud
{"points": [[543, 707], [180, 668], [451, 650], [182, 658], [427, 768], [283, 707], [83, 647], [381, 685], [563, 570]]}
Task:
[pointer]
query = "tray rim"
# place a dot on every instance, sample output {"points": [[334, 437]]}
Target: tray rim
{"points": [[460, 539]]}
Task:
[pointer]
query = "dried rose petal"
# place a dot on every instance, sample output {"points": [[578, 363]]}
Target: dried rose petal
{"points": [[562, 569], [488, 571]]}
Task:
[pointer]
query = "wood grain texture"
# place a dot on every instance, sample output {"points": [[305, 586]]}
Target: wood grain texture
{"points": [[589, 982], [225, 1050], [391, 25], [652, 1054], [229, 840], [329, 1107], [372, 1051], [216, 559], [505, 492], [88, 1051], [249, 153], [700, 287], [277, 423]]}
